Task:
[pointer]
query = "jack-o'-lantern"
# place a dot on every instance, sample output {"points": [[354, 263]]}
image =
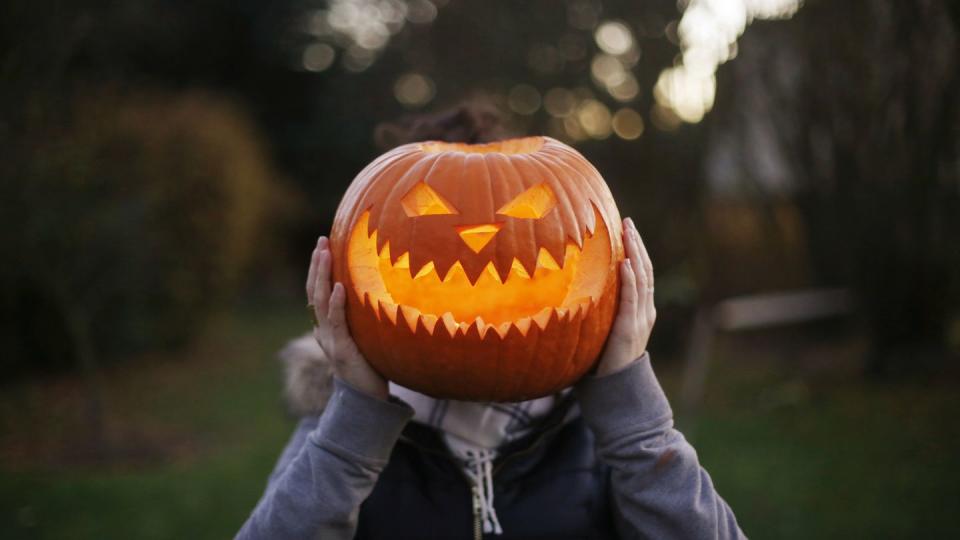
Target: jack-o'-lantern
{"points": [[479, 272]]}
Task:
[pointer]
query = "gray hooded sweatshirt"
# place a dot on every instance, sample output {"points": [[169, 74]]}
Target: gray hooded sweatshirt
{"points": [[332, 462]]}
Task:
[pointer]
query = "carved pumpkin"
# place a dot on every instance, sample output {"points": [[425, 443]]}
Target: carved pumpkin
{"points": [[479, 272]]}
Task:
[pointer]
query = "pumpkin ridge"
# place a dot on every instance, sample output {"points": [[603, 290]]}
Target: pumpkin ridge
{"points": [[506, 245], [406, 182], [566, 195], [528, 261], [584, 188], [370, 188]]}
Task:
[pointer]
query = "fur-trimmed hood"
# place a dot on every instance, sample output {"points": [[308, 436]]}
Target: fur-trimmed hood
{"points": [[308, 376]]}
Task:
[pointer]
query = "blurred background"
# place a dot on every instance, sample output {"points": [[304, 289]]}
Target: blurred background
{"points": [[794, 168]]}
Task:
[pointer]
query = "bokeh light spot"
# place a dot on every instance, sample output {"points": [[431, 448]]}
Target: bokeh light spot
{"points": [[357, 59], [605, 69], [614, 37], [624, 89], [574, 130], [362, 28], [595, 118], [688, 94], [421, 11], [318, 57], [628, 124], [559, 102], [663, 118], [524, 99], [414, 90], [707, 34]]}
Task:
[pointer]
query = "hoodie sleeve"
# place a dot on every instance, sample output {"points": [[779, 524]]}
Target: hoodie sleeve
{"points": [[327, 471], [658, 487], [297, 440]]}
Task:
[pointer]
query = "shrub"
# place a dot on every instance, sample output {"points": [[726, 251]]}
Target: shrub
{"points": [[129, 219]]}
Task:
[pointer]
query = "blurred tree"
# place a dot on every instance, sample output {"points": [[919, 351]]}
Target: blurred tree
{"points": [[853, 108], [128, 221], [126, 215]]}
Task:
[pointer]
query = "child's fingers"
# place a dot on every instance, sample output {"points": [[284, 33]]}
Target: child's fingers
{"points": [[628, 246], [632, 245], [647, 290], [644, 286], [312, 275], [629, 297], [337, 314], [321, 287], [644, 258], [312, 272]]}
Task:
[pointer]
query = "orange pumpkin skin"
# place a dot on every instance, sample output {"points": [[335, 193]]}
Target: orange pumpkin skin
{"points": [[479, 272]]}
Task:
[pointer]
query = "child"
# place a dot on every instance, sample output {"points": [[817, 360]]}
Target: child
{"points": [[375, 460]]}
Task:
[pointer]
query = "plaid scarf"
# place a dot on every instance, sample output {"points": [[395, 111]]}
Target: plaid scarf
{"points": [[474, 432]]}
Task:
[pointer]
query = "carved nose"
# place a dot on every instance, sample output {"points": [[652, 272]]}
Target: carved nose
{"points": [[478, 236]]}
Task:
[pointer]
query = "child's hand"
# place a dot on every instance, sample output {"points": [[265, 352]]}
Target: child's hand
{"points": [[331, 330], [634, 322]]}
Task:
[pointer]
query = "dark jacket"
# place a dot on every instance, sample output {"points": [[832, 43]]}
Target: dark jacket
{"points": [[362, 470], [549, 484]]}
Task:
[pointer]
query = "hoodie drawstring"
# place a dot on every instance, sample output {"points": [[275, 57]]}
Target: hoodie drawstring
{"points": [[480, 470]]}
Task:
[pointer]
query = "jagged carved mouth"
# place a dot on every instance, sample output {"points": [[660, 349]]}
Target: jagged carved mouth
{"points": [[553, 290]]}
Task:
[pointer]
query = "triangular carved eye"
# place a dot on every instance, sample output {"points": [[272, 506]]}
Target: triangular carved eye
{"points": [[422, 200], [533, 203]]}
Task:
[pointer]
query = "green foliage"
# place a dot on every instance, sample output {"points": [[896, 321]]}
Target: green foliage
{"points": [[194, 446], [840, 458], [130, 218]]}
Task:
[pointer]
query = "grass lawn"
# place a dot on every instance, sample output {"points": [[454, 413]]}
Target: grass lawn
{"points": [[795, 456], [217, 411], [841, 460]]}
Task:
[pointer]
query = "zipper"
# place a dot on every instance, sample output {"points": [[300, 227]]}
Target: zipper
{"points": [[474, 490], [477, 511]]}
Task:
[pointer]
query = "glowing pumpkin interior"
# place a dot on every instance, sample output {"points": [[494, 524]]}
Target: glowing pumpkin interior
{"points": [[492, 301]]}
